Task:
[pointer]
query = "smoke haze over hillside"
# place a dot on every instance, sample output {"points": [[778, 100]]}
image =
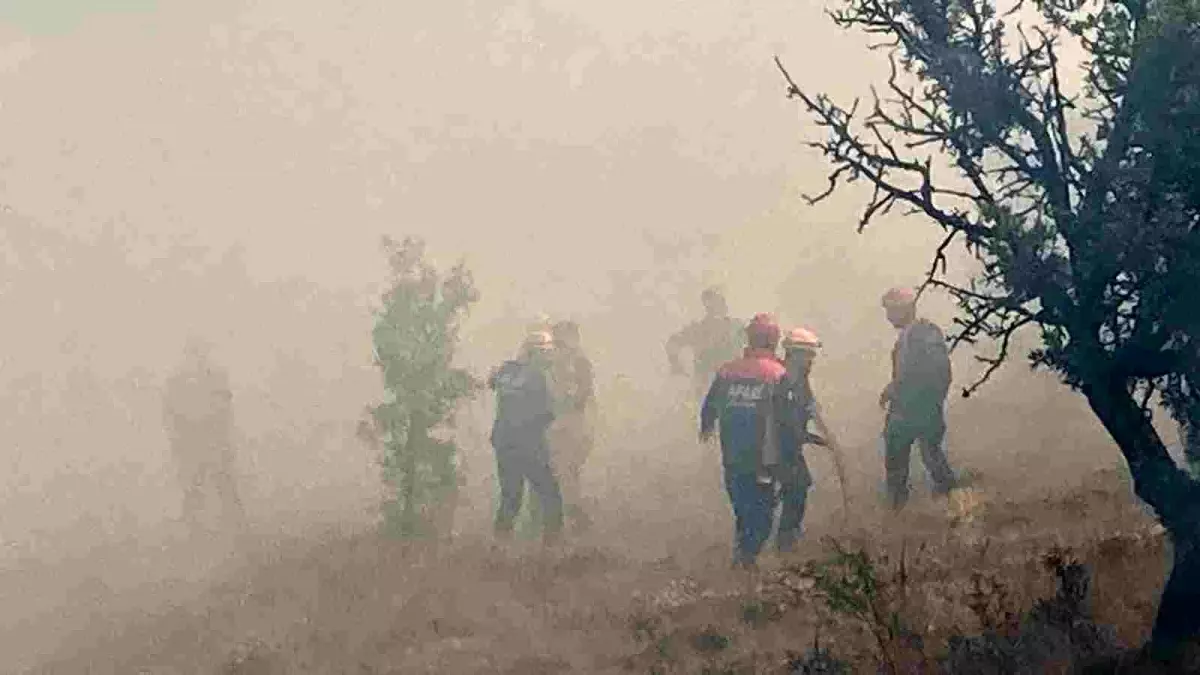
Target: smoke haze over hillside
{"points": [[229, 168]]}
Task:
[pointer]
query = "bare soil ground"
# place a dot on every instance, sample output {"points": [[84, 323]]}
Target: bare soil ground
{"points": [[647, 590]]}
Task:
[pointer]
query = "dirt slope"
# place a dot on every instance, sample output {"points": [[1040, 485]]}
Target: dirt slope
{"points": [[637, 594]]}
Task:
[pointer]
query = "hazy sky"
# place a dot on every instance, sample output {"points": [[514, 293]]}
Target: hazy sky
{"points": [[303, 128], [600, 159]]}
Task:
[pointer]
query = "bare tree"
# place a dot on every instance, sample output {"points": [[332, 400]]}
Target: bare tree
{"points": [[1081, 207]]}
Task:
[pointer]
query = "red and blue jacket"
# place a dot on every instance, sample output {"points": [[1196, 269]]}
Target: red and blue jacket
{"points": [[743, 398]]}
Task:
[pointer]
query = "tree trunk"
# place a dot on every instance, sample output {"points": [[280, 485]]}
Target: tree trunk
{"points": [[1175, 498], [409, 514]]}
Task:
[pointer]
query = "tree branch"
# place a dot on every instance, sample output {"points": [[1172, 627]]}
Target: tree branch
{"points": [[995, 362]]}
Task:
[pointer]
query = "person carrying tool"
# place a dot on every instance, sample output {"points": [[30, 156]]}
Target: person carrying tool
{"points": [[571, 437], [798, 407], [742, 398], [524, 412], [713, 340], [915, 399]]}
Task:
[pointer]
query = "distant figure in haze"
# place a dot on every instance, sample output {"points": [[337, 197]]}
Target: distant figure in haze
{"points": [[198, 418], [524, 412], [571, 436], [915, 399], [713, 340]]}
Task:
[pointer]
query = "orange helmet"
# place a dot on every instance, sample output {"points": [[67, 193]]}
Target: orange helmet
{"points": [[802, 339], [763, 332], [899, 297]]}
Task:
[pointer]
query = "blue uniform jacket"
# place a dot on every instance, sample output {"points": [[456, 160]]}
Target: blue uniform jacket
{"points": [[524, 405], [797, 409], [743, 398]]}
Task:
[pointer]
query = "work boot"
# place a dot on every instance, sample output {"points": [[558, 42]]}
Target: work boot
{"points": [[785, 541]]}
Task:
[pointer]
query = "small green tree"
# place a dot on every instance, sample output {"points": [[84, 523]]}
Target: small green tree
{"points": [[415, 335]]}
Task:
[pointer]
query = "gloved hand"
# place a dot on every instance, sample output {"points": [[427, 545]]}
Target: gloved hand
{"points": [[706, 437]]}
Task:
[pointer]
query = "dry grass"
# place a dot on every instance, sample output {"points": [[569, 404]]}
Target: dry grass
{"points": [[363, 604]]}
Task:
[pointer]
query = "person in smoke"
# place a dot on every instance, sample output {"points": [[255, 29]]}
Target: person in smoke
{"points": [[797, 408], [524, 413], [742, 400], [714, 339], [571, 437], [198, 418], [915, 399]]}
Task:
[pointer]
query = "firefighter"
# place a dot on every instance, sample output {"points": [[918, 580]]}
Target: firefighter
{"points": [[571, 436], [798, 408], [198, 419], [915, 399], [742, 399], [524, 413], [713, 340]]}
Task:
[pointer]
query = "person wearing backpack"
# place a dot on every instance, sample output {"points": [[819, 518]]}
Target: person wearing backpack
{"points": [[915, 399]]}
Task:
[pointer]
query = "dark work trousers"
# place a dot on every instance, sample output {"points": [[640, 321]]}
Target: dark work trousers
{"points": [[753, 504], [928, 428], [793, 498], [516, 464]]}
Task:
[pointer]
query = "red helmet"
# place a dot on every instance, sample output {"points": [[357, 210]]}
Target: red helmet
{"points": [[763, 332]]}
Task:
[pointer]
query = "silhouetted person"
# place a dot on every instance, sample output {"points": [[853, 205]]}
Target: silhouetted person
{"points": [[713, 340], [571, 436], [198, 417], [915, 399], [524, 412]]}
